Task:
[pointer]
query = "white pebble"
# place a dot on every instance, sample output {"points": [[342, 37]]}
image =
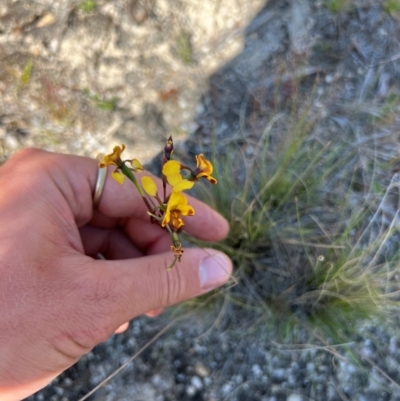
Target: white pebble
{"points": [[196, 382], [294, 397]]}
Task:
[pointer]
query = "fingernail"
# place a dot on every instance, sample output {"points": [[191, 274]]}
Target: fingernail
{"points": [[214, 271]]}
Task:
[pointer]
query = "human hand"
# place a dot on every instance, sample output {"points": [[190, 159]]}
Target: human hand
{"points": [[57, 302]]}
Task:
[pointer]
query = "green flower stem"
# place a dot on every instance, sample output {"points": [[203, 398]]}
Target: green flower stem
{"points": [[155, 217], [175, 239], [177, 244], [128, 173]]}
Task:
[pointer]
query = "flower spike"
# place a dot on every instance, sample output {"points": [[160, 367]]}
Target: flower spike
{"points": [[168, 211]]}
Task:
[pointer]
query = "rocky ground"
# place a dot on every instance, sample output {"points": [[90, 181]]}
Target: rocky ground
{"points": [[80, 76]]}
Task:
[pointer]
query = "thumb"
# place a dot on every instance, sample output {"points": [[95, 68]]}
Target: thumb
{"points": [[129, 288]]}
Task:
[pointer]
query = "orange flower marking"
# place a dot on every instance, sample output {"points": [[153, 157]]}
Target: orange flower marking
{"points": [[177, 206]]}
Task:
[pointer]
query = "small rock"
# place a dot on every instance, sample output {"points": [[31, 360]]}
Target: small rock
{"points": [[46, 20], [180, 378], [11, 142], [207, 381], [295, 397], [156, 380], [257, 372], [279, 375], [53, 45], [196, 382], [191, 390], [200, 349], [226, 389], [67, 382], [202, 370]]}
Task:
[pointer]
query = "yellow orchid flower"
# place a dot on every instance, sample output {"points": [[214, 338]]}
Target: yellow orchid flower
{"points": [[177, 206], [171, 170], [204, 168], [114, 159], [149, 185]]}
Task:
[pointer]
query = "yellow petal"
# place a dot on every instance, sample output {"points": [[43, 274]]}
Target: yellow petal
{"points": [[108, 160], [203, 165], [182, 185], [170, 205], [177, 198], [118, 176], [211, 179], [187, 210], [171, 167], [166, 219], [174, 179], [179, 184], [117, 151], [149, 186], [136, 165]]}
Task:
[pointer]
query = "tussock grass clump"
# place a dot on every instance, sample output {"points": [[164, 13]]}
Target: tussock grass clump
{"points": [[314, 242]]}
